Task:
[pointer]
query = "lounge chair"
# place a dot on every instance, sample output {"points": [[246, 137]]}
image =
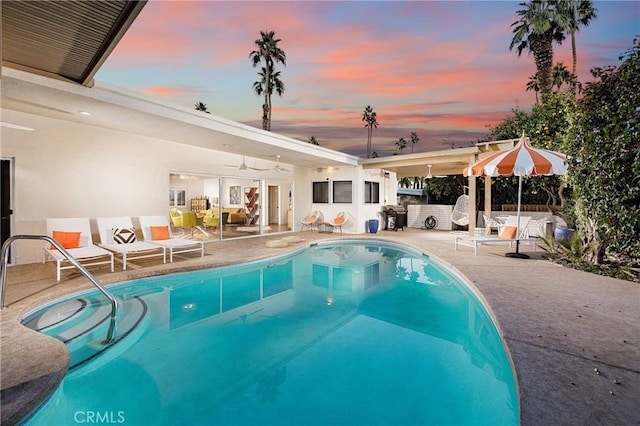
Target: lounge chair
{"points": [[118, 235], [156, 230], [507, 235], [311, 220], [75, 236]]}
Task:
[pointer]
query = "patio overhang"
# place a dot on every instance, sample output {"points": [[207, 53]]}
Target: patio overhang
{"points": [[449, 162]]}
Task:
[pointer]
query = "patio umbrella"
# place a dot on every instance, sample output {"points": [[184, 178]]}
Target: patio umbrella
{"points": [[521, 160]]}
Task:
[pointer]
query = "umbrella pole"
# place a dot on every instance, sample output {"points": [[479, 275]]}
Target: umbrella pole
{"points": [[517, 254]]}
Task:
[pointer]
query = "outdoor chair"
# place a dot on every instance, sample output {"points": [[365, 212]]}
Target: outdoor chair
{"points": [[340, 220], [156, 231], [311, 220], [74, 234], [117, 234], [460, 213], [491, 224], [507, 234]]}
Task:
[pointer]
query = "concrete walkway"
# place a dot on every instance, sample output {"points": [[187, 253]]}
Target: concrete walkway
{"points": [[574, 337]]}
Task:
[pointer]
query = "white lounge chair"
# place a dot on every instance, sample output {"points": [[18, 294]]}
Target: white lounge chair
{"points": [[491, 224], [128, 249], [507, 235], [82, 248], [175, 245]]}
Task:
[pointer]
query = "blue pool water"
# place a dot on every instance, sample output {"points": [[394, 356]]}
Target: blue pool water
{"points": [[355, 333]]}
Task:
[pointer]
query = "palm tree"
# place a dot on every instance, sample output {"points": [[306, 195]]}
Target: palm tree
{"points": [[539, 26], [577, 12], [561, 75], [267, 50], [370, 117], [260, 87], [401, 144], [313, 141], [533, 85], [201, 107], [414, 140]]}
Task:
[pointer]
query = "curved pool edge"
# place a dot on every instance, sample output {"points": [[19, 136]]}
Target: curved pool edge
{"points": [[487, 306], [50, 357], [47, 358]]}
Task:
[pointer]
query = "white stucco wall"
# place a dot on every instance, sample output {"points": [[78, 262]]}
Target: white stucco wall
{"points": [[65, 169]]}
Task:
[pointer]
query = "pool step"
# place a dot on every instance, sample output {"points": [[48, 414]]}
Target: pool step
{"points": [[82, 324]]}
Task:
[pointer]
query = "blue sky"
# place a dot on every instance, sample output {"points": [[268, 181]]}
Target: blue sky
{"points": [[440, 69]]}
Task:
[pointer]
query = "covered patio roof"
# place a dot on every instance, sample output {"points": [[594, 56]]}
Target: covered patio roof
{"points": [[446, 162]]}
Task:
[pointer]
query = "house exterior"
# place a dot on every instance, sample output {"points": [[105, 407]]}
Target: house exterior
{"points": [[134, 155], [74, 147]]}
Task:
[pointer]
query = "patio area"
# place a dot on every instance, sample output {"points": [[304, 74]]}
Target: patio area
{"points": [[574, 337]]}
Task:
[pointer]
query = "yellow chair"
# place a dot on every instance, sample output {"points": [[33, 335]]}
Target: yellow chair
{"points": [[211, 219], [189, 220], [176, 217]]}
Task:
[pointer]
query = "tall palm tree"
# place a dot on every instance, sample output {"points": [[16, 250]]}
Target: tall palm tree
{"points": [[370, 117], [401, 144], [269, 51], [533, 85], [260, 87], [201, 107], [577, 13], [414, 139], [313, 141], [539, 25]]}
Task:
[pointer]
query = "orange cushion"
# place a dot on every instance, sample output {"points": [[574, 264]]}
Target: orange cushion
{"points": [[311, 218], [68, 240], [339, 220], [508, 233], [160, 233]]}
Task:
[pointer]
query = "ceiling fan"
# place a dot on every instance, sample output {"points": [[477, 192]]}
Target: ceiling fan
{"points": [[244, 166], [278, 167]]}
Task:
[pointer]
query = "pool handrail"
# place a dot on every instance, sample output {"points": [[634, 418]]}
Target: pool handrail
{"points": [[3, 284]]}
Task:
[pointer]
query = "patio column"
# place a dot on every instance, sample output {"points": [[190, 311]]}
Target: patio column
{"points": [[472, 206], [487, 195]]}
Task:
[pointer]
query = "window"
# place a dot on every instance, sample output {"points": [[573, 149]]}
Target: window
{"points": [[342, 191], [321, 192], [371, 192]]}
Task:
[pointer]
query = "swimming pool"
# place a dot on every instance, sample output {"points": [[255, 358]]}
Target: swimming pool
{"points": [[354, 333]]}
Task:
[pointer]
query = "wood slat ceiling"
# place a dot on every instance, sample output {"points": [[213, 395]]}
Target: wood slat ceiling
{"points": [[67, 39]]}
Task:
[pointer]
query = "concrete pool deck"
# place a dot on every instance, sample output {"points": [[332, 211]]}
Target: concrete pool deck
{"points": [[574, 337]]}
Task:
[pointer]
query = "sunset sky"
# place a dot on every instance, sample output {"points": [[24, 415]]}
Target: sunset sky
{"points": [[440, 69]]}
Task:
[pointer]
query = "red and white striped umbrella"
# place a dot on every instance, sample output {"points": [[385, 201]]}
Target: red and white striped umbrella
{"points": [[521, 160]]}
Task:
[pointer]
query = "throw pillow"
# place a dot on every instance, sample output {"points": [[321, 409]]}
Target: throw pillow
{"points": [[160, 233], [508, 233], [124, 235], [68, 240]]}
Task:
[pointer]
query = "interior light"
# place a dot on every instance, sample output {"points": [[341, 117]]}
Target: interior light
{"points": [[87, 113]]}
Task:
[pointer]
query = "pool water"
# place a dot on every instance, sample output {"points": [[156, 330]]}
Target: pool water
{"points": [[355, 333]]}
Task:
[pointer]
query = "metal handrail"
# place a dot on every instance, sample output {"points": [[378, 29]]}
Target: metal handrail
{"points": [[5, 258]]}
